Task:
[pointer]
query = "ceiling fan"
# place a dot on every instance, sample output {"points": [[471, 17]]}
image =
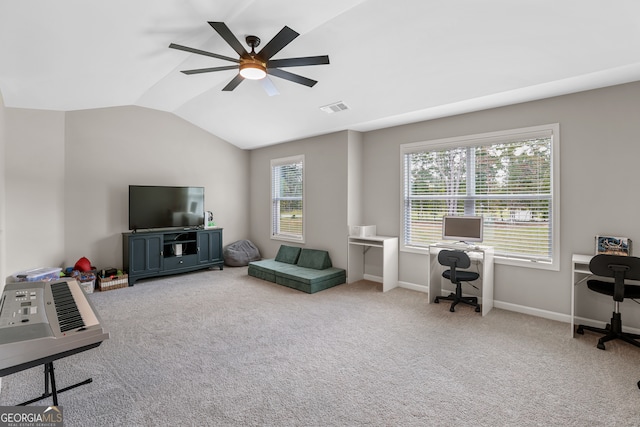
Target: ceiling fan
{"points": [[256, 66]]}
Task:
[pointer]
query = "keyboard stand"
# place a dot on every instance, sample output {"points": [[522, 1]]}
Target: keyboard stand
{"points": [[49, 375]]}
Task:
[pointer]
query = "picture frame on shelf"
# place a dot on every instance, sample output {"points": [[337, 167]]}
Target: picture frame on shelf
{"points": [[613, 245]]}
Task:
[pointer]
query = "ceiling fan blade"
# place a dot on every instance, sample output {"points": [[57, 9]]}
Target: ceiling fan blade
{"points": [[202, 52], [291, 77], [275, 45], [208, 70], [228, 36], [298, 62], [269, 87], [233, 83]]}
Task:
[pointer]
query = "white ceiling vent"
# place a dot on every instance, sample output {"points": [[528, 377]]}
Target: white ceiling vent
{"points": [[336, 107]]}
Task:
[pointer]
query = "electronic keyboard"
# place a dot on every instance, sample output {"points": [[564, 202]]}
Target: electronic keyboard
{"points": [[44, 321]]}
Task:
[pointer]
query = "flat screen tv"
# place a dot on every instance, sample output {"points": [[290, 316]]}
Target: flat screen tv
{"points": [[152, 206], [462, 228]]}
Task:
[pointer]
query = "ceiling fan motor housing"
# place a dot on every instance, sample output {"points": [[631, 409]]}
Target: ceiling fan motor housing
{"points": [[251, 67], [253, 42]]}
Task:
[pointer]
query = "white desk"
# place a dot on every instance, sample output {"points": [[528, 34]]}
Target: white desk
{"points": [[579, 274], [483, 255], [358, 246]]}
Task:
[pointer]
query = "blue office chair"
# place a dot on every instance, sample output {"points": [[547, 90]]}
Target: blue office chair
{"points": [[621, 268], [455, 260]]}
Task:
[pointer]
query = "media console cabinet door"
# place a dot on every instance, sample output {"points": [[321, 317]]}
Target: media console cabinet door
{"points": [[145, 254], [209, 246]]}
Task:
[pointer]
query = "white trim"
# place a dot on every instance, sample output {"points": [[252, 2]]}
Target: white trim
{"points": [[525, 263], [531, 311], [560, 317], [283, 238], [546, 314], [480, 139], [281, 162], [372, 278], [287, 160], [414, 287]]}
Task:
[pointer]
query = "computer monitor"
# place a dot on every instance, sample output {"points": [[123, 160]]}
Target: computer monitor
{"points": [[462, 228]]}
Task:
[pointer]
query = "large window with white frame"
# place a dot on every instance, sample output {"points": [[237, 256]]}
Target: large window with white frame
{"points": [[287, 198], [509, 177]]}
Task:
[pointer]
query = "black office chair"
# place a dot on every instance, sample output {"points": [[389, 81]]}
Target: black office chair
{"points": [[455, 260], [621, 268]]}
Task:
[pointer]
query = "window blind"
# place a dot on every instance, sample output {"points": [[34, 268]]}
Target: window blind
{"points": [[287, 185], [506, 179]]}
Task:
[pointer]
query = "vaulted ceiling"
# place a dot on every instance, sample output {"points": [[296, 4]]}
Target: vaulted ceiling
{"points": [[390, 62]]}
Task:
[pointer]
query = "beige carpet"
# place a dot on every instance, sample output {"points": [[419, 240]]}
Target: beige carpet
{"points": [[220, 348]]}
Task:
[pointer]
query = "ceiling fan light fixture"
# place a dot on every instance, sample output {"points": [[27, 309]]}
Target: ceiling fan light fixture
{"points": [[253, 70], [256, 66]]}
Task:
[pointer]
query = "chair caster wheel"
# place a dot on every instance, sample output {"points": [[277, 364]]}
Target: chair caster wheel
{"points": [[452, 310], [600, 345], [478, 310], [436, 301], [638, 384], [580, 330]]}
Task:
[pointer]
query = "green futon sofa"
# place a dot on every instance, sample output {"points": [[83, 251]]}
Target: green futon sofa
{"points": [[307, 270]]}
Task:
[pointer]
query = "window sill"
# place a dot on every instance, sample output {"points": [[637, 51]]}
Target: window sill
{"points": [[288, 239], [515, 262]]}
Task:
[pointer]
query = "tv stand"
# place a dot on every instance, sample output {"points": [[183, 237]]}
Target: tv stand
{"points": [[160, 253]]}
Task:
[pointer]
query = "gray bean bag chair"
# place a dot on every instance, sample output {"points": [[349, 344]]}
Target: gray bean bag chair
{"points": [[240, 253]]}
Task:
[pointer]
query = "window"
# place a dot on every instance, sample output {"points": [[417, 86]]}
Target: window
{"points": [[287, 199], [510, 178]]}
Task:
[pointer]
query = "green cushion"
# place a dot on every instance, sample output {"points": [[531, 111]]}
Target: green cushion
{"points": [[305, 279], [308, 275], [263, 269], [288, 254], [311, 288], [314, 258]]}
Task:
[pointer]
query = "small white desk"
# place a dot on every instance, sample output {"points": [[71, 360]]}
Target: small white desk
{"points": [[358, 246], [483, 255], [580, 273]]}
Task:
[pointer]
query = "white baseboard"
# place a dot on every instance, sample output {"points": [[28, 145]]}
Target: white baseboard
{"points": [[371, 278], [406, 285], [414, 287], [545, 314], [503, 305]]}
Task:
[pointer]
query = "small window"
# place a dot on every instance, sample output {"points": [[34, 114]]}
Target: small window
{"points": [[287, 199], [509, 178]]}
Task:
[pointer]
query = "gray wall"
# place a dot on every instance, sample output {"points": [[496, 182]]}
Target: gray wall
{"points": [[67, 179], [114, 147], [326, 169], [35, 171], [354, 177], [599, 155], [3, 204]]}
